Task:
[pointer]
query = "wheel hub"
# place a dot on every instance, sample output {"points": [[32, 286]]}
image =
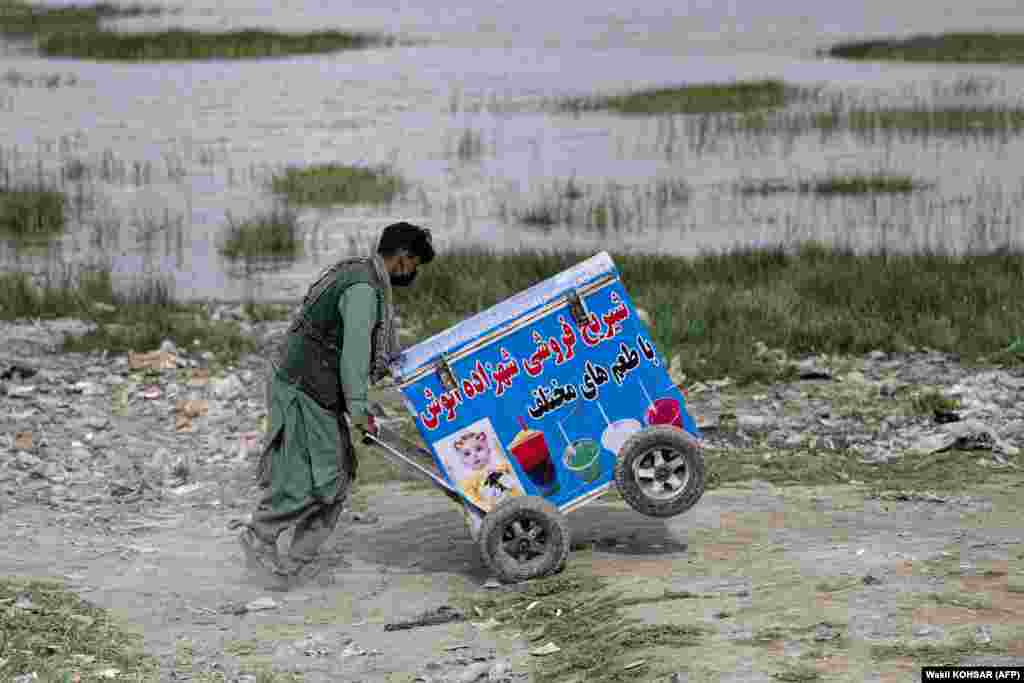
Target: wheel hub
{"points": [[661, 473], [525, 539]]}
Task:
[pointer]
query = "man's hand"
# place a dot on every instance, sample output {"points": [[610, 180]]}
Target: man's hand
{"points": [[365, 425]]}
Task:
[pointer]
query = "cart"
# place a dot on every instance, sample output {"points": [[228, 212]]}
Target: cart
{"points": [[541, 404]]}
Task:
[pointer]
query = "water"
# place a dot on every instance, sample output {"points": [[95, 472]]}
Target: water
{"points": [[212, 132]]}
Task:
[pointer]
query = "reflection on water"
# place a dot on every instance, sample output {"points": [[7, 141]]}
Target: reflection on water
{"points": [[170, 149]]}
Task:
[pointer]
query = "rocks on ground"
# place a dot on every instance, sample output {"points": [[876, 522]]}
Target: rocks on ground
{"points": [[80, 428], [862, 404], [85, 428]]}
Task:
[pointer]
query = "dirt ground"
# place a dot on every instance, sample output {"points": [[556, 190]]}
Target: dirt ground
{"points": [[791, 583], [778, 575]]}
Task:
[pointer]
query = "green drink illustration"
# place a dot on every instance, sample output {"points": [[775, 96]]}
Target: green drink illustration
{"points": [[582, 457]]}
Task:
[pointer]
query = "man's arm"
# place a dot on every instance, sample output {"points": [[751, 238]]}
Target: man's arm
{"points": [[358, 309]]}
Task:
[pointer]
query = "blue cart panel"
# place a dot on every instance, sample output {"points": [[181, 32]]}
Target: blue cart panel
{"points": [[538, 394]]}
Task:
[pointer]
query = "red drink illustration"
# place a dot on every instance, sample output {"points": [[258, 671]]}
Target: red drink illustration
{"points": [[531, 452], [665, 411]]}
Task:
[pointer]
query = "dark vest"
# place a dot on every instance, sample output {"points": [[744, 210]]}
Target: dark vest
{"points": [[310, 356]]}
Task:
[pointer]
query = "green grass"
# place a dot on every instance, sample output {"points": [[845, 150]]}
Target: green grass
{"points": [[1002, 48], [810, 299], [961, 600], [137, 320], [705, 98], [861, 184], [329, 184], [836, 185], [709, 309], [921, 120], [63, 635], [267, 312], [76, 32], [797, 672], [582, 617], [274, 234], [597, 208], [934, 654], [932, 401], [180, 44], [939, 121], [948, 472], [31, 210], [21, 19]]}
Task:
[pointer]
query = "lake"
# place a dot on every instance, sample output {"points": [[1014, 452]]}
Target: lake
{"points": [[209, 134]]}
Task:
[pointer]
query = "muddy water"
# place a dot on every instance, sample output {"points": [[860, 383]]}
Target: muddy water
{"points": [[210, 133]]}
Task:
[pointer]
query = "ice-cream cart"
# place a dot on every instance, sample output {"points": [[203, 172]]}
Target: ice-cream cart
{"points": [[539, 405]]}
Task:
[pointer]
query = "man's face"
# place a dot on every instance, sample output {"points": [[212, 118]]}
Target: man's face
{"points": [[404, 271]]}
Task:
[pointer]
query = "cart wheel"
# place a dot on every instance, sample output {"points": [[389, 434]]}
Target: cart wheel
{"points": [[524, 538], [660, 471]]}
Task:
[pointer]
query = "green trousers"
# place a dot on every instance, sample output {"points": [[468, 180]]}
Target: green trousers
{"points": [[306, 470]]}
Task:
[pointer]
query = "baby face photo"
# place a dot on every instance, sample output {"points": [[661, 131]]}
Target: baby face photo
{"points": [[474, 458], [473, 449]]}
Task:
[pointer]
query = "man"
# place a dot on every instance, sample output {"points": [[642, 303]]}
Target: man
{"points": [[342, 337]]}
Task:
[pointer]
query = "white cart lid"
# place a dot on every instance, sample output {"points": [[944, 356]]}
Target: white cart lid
{"points": [[494, 317]]}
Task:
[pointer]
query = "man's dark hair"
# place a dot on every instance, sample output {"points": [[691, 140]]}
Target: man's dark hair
{"points": [[412, 238]]}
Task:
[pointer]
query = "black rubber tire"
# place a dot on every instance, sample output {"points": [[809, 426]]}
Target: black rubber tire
{"points": [[497, 533], [646, 444]]}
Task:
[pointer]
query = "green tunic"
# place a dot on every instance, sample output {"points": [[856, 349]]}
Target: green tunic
{"points": [[306, 442]]}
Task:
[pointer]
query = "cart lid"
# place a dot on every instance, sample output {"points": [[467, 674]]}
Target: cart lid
{"points": [[540, 294]]}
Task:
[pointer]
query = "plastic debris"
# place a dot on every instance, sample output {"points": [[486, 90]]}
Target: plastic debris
{"points": [[261, 604], [198, 377], [23, 441], [544, 650], [154, 360], [353, 650]]}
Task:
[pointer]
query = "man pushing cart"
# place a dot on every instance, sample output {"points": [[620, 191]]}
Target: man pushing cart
{"points": [[541, 404]]}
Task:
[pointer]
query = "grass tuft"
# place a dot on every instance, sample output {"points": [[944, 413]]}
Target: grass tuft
{"points": [[938, 121], [75, 31], [276, 233], [1002, 48], [944, 472], [798, 672], [835, 185], [918, 121], [705, 98], [933, 401], [52, 632], [961, 600], [934, 654], [577, 613], [31, 210], [861, 184], [180, 44], [136, 320], [598, 208], [22, 19], [329, 184]]}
